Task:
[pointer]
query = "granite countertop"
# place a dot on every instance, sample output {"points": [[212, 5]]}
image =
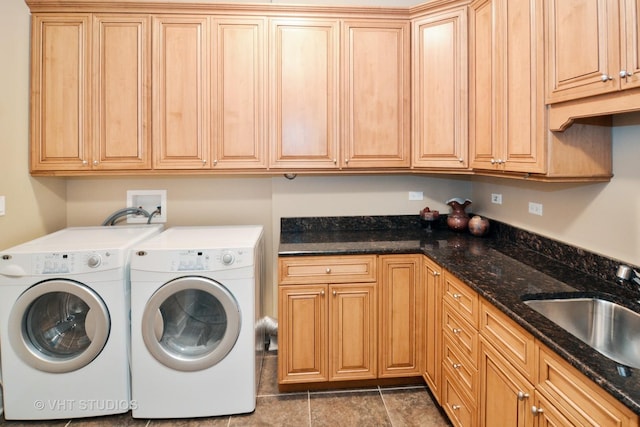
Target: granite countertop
{"points": [[502, 272]]}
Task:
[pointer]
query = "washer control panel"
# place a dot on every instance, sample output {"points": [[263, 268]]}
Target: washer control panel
{"points": [[57, 263]]}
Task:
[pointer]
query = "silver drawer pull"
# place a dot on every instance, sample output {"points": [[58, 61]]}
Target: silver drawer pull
{"points": [[456, 296], [328, 270]]}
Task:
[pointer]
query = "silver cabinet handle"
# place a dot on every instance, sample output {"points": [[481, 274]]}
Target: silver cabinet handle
{"points": [[536, 411], [624, 74], [456, 296], [85, 163], [456, 331], [95, 163], [605, 78], [455, 407], [456, 366], [335, 293], [322, 293], [522, 395], [328, 270]]}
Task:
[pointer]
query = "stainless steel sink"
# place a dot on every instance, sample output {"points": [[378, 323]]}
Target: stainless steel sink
{"points": [[609, 328]]}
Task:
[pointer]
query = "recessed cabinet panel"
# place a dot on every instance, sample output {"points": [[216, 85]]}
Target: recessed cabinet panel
{"points": [[582, 48], [440, 105], [630, 19], [239, 136], [304, 93], [60, 92], [376, 90], [180, 86], [121, 93]]}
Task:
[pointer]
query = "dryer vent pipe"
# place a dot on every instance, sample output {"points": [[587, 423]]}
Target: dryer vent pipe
{"points": [[269, 325]]}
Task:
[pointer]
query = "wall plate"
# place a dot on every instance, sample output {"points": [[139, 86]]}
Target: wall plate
{"points": [[149, 200]]}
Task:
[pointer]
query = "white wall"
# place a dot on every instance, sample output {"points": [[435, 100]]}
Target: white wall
{"points": [[33, 206]]}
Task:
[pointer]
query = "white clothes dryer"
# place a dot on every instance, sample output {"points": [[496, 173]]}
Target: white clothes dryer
{"points": [[195, 306], [64, 323]]}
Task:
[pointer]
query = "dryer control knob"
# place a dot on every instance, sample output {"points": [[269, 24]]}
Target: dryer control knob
{"points": [[94, 261], [227, 258]]}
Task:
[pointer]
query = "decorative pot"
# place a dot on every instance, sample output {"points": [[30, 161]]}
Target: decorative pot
{"points": [[478, 226], [458, 219]]}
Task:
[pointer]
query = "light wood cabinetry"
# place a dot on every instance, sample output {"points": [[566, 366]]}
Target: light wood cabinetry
{"points": [[238, 110], [400, 307], [180, 84], [89, 92], [460, 314], [608, 58], [507, 111], [309, 89], [507, 370], [440, 90], [376, 94], [208, 86], [569, 392], [327, 311], [304, 93], [432, 337]]}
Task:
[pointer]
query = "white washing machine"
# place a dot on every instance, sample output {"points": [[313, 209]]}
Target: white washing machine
{"points": [[64, 323], [195, 305]]}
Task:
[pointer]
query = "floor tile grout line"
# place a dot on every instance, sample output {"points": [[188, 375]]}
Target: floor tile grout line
{"points": [[386, 408], [309, 406]]}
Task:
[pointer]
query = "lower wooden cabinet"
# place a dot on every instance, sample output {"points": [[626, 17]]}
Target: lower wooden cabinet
{"points": [[366, 317], [431, 280], [399, 344]]}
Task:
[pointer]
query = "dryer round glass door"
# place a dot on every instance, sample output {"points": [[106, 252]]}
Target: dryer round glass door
{"points": [[191, 323], [59, 325]]}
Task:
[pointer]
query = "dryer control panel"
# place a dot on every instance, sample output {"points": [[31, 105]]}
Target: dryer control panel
{"points": [[210, 260]]}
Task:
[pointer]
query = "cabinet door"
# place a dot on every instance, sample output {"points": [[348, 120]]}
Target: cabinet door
{"points": [[303, 105], [60, 84], [582, 48], [121, 95], [352, 332], [440, 106], [398, 284], [522, 133], [180, 88], [630, 37], [302, 334], [432, 336], [505, 396], [238, 109], [482, 102], [376, 76]]}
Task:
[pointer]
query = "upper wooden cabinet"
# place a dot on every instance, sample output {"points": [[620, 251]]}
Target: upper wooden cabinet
{"points": [[208, 86], [309, 89], [440, 90], [304, 93], [507, 111], [592, 47], [89, 92], [375, 94], [180, 84]]}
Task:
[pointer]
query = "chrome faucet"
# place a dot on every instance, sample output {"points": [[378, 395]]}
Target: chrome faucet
{"points": [[627, 273]]}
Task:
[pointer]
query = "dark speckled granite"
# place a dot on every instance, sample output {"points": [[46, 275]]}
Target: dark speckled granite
{"points": [[505, 267]]}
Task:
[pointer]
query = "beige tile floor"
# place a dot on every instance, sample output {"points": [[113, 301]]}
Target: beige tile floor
{"points": [[376, 406]]}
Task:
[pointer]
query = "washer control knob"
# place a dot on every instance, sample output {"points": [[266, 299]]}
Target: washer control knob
{"points": [[228, 258], [94, 261]]}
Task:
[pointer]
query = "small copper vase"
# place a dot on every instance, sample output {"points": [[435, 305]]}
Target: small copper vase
{"points": [[458, 219]]}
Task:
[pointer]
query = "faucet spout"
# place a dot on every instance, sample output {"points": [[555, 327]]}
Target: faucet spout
{"points": [[627, 273]]}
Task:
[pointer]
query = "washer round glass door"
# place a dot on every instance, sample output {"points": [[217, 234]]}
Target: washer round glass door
{"points": [[59, 325], [191, 323]]}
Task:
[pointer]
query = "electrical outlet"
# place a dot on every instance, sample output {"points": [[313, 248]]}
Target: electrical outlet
{"points": [[416, 195], [149, 200], [496, 198], [535, 208]]}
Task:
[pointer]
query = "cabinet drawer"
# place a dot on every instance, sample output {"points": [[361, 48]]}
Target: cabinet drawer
{"points": [[461, 333], [462, 298], [461, 412], [514, 343], [461, 369], [327, 269], [571, 392]]}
